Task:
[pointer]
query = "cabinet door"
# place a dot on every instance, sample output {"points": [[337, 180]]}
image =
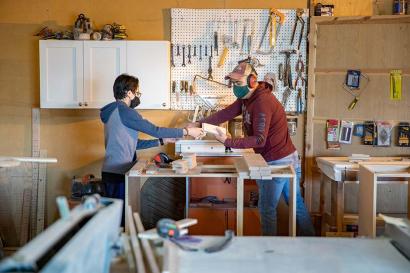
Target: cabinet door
{"points": [[103, 62], [61, 74], [149, 61]]}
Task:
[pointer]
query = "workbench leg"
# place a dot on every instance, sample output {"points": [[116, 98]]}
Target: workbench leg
{"points": [[408, 198], [337, 205], [239, 206], [367, 202], [292, 204], [322, 205], [132, 196], [187, 196]]}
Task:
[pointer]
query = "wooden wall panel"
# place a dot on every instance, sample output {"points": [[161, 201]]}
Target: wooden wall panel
{"points": [[366, 46], [374, 45], [349, 7], [374, 102]]}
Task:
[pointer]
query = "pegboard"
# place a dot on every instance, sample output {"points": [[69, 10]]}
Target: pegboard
{"points": [[196, 27]]}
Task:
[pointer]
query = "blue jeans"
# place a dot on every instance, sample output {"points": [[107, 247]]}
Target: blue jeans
{"points": [[269, 196]]}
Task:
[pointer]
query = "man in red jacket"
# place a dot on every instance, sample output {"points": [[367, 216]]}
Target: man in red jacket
{"points": [[266, 131]]}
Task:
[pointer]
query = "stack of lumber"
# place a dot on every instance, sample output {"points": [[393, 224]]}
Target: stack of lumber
{"points": [[180, 166], [191, 158], [257, 166]]}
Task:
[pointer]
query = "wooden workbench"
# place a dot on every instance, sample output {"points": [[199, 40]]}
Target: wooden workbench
{"points": [[292, 255], [370, 175], [340, 171], [134, 180]]}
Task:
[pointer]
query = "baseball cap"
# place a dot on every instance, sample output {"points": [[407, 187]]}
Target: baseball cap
{"points": [[242, 69]]}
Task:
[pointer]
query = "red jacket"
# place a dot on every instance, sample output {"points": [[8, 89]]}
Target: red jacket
{"points": [[264, 123]]}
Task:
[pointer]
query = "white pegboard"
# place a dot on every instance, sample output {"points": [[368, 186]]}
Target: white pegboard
{"points": [[196, 27]]}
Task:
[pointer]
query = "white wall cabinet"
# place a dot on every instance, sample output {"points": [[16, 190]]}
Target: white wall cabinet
{"points": [[150, 62], [81, 74]]}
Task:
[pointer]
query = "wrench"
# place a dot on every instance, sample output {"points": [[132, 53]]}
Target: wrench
{"points": [[189, 54], [206, 50], [211, 52], [200, 52], [235, 34], [172, 55], [178, 50], [194, 55], [183, 56]]}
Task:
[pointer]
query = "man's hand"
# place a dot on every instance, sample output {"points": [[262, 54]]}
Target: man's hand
{"points": [[195, 132], [193, 125], [221, 136], [169, 140]]}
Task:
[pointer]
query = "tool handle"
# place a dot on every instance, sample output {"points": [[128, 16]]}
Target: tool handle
{"points": [[223, 57]]}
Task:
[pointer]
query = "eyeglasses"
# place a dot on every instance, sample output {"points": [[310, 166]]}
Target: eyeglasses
{"points": [[137, 92]]}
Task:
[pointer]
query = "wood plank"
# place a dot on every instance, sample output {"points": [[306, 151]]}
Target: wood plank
{"points": [[309, 158], [292, 203], [146, 246], [348, 8], [135, 243], [239, 205], [367, 202]]}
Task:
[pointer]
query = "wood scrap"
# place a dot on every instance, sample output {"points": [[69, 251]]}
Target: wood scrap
{"points": [[191, 158], [257, 166], [180, 166], [212, 129]]}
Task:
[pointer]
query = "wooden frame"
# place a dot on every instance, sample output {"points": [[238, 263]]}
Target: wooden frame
{"points": [[133, 183], [339, 171], [369, 178]]}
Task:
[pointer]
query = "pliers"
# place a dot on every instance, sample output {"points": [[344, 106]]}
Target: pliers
{"points": [[300, 69]]}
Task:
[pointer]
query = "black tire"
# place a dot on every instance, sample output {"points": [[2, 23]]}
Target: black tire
{"points": [[162, 198]]}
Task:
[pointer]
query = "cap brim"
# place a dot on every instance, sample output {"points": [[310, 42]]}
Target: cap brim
{"points": [[233, 76]]}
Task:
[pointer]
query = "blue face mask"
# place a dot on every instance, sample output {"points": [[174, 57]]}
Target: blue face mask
{"points": [[240, 91]]}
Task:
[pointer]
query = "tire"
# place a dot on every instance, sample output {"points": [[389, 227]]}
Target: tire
{"points": [[162, 198]]}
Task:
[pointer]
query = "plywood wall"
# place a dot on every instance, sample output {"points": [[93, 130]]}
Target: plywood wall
{"points": [[349, 7], [75, 137], [375, 47]]}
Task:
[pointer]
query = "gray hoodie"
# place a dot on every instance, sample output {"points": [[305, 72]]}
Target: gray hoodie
{"points": [[121, 127]]}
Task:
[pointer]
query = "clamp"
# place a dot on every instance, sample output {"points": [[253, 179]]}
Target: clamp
{"points": [[299, 19]]}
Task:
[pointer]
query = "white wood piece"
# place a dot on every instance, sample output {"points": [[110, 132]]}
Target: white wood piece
{"points": [[240, 185], [255, 162], [367, 202], [212, 129], [61, 74], [135, 243], [35, 152], [25, 216], [149, 254], [292, 203], [29, 159], [241, 167], [149, 61], [41, 194], [103, 62]]}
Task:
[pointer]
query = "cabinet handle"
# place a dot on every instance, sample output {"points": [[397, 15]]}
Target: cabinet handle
{"points": [[164, 104], [85, 103], [80, 104]]}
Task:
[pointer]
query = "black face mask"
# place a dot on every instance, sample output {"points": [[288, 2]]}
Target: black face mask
{"points": [[135, 102]]}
